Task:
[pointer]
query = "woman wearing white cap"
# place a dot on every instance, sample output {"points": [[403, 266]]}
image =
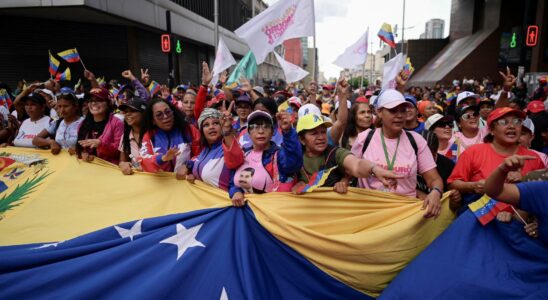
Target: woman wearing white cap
{"points": [[267, 167], [403, 152], [442, 126]]}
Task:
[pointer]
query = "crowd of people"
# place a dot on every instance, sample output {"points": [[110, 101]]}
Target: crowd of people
{"points": [[418, 142]]}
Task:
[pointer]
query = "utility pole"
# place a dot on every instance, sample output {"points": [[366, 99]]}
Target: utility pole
{"points": [[216, 19], [403, 27]]}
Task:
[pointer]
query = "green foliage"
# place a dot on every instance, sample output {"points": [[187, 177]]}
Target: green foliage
{"points": [[21, 192]]}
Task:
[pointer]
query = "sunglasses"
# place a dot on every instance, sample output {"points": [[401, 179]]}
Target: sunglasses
{"points": [[470, 115], [506, 122], [443, 125], [163, 115]]}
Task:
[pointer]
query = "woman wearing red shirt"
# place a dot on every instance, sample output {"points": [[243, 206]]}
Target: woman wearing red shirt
{"points": [[479, 161]]}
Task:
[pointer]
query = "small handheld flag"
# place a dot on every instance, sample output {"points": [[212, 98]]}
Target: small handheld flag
{"points": [[63, 76], [408, 68], [386, 35], [316, 181], [70, 55], [154, 88], [53, 65], [486, 209]]}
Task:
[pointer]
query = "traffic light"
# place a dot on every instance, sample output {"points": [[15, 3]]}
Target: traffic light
{"points": [[531, 38], [166, 43]]}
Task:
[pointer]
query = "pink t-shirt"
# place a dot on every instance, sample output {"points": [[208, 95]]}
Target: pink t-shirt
{"points": [[406, 163], [465, 142]]}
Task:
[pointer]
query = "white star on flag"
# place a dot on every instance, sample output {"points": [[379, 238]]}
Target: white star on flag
{"points": [[49, 245], [184, 239], [224, 295], [135, 230]]}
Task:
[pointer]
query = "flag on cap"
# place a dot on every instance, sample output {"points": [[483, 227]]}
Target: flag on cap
{"points": [[386, 35], [355, 54], [53, 65], [316, 180], [293, 73], [486, 209], [154, 88], [70, 55], [63, 76], [283, 20]]}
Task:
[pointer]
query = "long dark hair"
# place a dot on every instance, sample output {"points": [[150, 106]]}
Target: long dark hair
{"points": [[351, 129], [179, 121], [126, 147], [87, 126]]}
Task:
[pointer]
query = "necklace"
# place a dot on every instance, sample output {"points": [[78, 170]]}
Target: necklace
{"points": [[389, 163]]}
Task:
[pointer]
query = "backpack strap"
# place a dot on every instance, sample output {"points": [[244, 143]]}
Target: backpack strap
{"points": [[57, 123], [368, 140], [413, 142]]}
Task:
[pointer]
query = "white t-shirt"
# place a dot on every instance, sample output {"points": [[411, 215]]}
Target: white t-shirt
{"points": [[66, 136], [29, 130]]}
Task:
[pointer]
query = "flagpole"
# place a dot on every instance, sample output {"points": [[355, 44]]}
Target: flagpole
{"points": [[81, 61]]}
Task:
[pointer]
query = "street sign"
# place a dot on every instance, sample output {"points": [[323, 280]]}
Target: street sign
{"points": [[532, 36], [166, 43], [178, 47]]}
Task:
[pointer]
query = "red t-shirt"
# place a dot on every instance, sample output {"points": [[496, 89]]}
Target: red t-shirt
{"points": [[479, 161]]}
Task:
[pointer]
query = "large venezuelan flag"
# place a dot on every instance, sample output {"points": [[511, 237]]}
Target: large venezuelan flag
{"points": [[72, 229]]}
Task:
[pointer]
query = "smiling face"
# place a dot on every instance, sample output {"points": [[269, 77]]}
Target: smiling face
{"points": [[469, 121], [315, 140], [133, 117], [211, 129], [98, 106], [443, 130], [163, 116]]}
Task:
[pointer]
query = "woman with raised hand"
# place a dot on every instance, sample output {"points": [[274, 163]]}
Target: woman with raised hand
{"points": [[403, 152], [62, 133], [131, 142], [169, 140], [220, 150], [267, 167], [101, 131]]}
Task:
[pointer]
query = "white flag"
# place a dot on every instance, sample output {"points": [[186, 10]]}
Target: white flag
{"points": [[391, 70], [285, 19], [355, 54], [293, 73], [223, 60]]}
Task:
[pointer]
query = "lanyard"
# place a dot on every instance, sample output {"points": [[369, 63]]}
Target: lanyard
{"points": [[389, 163]]}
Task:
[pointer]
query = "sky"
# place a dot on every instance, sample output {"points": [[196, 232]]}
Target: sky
{"points": [[339, 23]]}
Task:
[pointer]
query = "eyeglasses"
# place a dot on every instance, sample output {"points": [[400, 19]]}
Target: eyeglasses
{"points": [[443, 125], [506, 122], [163, 115], [259, 126], [470, 115]]}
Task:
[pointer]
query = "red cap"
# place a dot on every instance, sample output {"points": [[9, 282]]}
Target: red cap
{"points": [[535, 106], [328, 87], [362, 99], [101, 93], [501, 112]]}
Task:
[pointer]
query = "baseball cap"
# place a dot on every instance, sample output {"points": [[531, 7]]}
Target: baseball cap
{"points": [[243, 98], [259, 114], [528, 123], [259, 90], [501, 112], [368, 93], [309, 109], [435, 118], [362, 99], [411, 99], [295, 100], [135, 103], [101, 93], [45, 91], [535, 106], [36, 98], [391, 98], [462, 110], [311, 121], [466, 95]]}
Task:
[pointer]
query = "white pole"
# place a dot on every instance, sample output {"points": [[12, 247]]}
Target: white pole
{"points": [[403, 28], [216, 19]]}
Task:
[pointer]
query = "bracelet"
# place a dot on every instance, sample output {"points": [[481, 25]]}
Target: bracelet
{"points": [[437, 189], [372, 171]]}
